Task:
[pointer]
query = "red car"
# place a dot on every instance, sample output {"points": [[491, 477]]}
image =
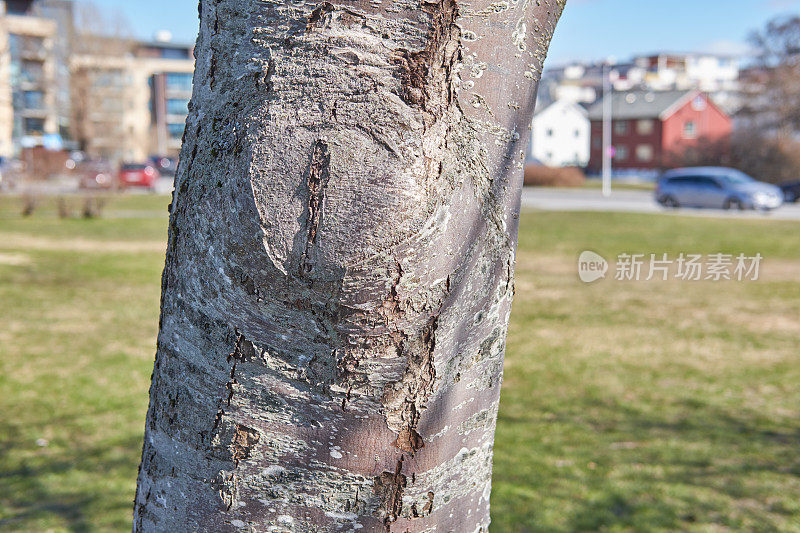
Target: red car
{"points": [[138, 175]]}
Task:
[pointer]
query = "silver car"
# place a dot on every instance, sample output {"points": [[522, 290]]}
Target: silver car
{"points": [[716, 187]]}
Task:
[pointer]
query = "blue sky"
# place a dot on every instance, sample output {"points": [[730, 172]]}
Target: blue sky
{"points": [[589, 29]]}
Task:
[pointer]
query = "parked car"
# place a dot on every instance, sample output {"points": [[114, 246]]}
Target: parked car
{"points": [[96, 176], [167, 166], [716, 187], [138, 175], [791, 191]]}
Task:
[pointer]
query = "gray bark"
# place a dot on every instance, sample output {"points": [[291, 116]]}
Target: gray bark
{"points": [[339, 273]]}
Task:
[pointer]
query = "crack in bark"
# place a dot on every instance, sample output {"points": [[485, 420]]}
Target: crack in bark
{"points": [[416, 67], [405, 401], [243, 442], [212, 69], [239, 440], [243, 351], [426, 509], [320, 11], [318, 176], [389, 487]]}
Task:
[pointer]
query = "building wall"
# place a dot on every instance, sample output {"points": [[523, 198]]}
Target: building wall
{"points": [[560, 136], [709, 124], [27, 81], [62, 13], [629, 145], [668, 137], [171, 90], [6, 107], [152, 110]]}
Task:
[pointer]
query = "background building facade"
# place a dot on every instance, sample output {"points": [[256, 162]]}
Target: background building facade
{"points": [[111, 96], [27, 78], [560, 135], [649, 128], [131, 99]]}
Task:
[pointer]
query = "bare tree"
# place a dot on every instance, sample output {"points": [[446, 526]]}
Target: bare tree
{"points": [[339, 273], [94, 25], [768, 158], [765, 143], [772, 85], [102, 41]]}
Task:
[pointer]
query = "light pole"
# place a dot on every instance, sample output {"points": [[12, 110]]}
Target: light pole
{"points": [[607, 95]]}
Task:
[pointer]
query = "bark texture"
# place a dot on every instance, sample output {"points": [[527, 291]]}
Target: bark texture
{"points": [[339, 273]]}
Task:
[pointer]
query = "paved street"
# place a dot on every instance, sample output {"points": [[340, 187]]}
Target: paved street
{"points": [[632, 202]]}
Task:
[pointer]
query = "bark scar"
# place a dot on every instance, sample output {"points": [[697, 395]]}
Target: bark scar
{"points": [[406, 400], [389, 487], [243, 442], [318, 176], [416, 67], [316, 16]]}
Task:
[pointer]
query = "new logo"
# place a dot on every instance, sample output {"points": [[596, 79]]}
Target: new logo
{"points": [[591, 267]]}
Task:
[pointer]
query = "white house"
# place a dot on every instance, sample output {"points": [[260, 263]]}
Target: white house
{"points": [[561, 135]]}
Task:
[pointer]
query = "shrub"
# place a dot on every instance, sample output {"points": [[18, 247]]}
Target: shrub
{"points": [[543, 176]]}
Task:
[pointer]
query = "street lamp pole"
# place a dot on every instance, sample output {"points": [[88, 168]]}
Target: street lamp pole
{"points": [[607, 95]]}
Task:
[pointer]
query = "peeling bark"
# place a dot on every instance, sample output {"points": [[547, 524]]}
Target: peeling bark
{"points": [[339, 272]]}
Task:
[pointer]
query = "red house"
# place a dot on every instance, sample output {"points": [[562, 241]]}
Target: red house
{"points": [[649, 126]]}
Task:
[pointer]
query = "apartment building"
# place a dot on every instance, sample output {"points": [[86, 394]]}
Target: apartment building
{"points": [[113, 97], [28, 90], [170, 68], [131, 98]]}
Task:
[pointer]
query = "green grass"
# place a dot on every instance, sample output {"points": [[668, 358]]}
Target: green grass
{"points": [[626, 406]]}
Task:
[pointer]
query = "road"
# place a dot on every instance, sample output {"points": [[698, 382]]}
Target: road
{"points": [[630, 201]]}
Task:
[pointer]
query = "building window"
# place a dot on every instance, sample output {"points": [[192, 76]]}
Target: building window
{"points": [[621, 127], [109, 78], [689, 130], [179, 81], [177, 106], [34, 126], [14, 44], [597, 143], [622, 152], [175, 53], [644, 152], [31, 72], [33, 99], [175, 131], [26, 46], [644, 127], [699, 104]]}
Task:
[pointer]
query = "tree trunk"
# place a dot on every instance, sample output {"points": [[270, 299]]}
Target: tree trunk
{"points": [[339, 273]]}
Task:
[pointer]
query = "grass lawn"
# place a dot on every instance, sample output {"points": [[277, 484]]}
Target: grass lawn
{"points": [[627, 406]]}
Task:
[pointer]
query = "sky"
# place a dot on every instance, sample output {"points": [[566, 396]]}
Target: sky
{"points": [[588, 30]]}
